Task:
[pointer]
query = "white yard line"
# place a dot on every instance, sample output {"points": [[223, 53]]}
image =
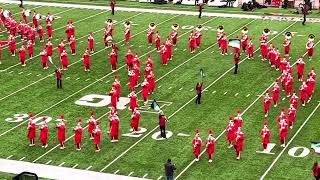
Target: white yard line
{"points": [[287, 145], [74, 166], [49, 162], [192, 162], [9, 157], [61, 164], [146, 135]]}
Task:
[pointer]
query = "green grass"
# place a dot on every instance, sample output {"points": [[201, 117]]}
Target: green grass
{"points": [[254, 77]]}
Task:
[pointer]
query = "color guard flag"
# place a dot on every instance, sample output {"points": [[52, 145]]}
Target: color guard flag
{"points": [[234, 43], [155, 106], [50, 60], [201, 75]]}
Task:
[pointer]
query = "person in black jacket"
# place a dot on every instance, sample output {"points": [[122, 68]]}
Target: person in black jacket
{"points": [[169, 168]]}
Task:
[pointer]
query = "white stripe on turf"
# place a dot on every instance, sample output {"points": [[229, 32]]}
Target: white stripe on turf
{"points": [[61, 164], [88, 167], [116, 171], [145, 175], [9, 157], [22, 158], [287, 145], [74, 166], [49, 162], [130, 173], [159, 177]]}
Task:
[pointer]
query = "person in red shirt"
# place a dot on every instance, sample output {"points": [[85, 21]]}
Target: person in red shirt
{"points": [[287, 44], [192, 42], [49, 48], [264, 44], [72, 42], [91, 42], [40, 32], [291, 115], [31, 130], [44, 58], [236, 59], [238, 146], [49, 29], [145, 91], [162, 124], [158, 41], [78, 134], [244, 39], [275, 93], [127, 31], [150, 33], [135, 118], [311, 85], [265, 134], [152, 82], [133, 101], [210, 145], [283, 132], [129, 59], [61, 47], [86, 60], [196, 145], [91, 124], [198, 35], [114, 128], [174, 34], [250, 48], [70, 30], [22, 55], [266, 104], [224, 45], [164, 55], [310, 46], [12, 45], [199, 92], [230, 132], [112, 6], [59, 78], [114, 97], [168, 45], [61, 127], [97, 136], [303, 92], [294, 100], [44, 129], [64, 60], [113, 60], [300, 68]]}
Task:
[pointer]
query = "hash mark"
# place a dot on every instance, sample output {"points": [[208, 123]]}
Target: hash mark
{"points": [[214, 92], [39, 75], [9, 157], [29, 74], [61, 164], [248, 95], [68, 78], [22, 159], [184, 49], [89, 167], [145, 175], [107, 81], [130, 173], [48, 162], [191, 90], [170, 87], [159, 87], [225, 93], [159, 178], [116, 171], [236, 94], [78, 78], [74, 166], [10, 72], [180, 89], [283, 99], [88, 79], [20, 72]]}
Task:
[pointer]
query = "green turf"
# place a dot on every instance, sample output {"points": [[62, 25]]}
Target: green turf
{"points": [[174, 84]]}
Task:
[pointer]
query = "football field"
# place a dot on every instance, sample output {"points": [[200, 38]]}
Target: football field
{"points": [[33, 89]]}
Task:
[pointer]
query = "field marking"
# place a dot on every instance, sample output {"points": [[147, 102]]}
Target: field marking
{"points": [[180, 89], [56, 30], [146, 135], [248, 95], [116, 171], [49, 162], [78, 78], [61, 164], [193, 161], [9, 156], [39, 75], [159, 177], [22, 158], [130, 173], [236, 94], [287, 145], [88, 79], [170, 87], [74, 166], [145, 175], [68, 77], [10, 72], [88, 167], [225, 93], [29, 74], [31, 84], [214, 92]]}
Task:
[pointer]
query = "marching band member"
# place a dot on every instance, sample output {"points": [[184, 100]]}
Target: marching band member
{"points": [[145, 91], [152, 82], [49, 29], [220, 34], [210, 142], [61, 47], [238, 120], [283, 132], [224, 45], [31, 130], [300, 68], [109, 28], [72, 43], [64, 60], [114, 97], [164, 55], [25, 13], [97, 136], [117, 86], [40, 32], [127, 31], [310, 46], [312, 74], [135, 118], [294, 100], [114, 129], [250, 49], [22, 55], [132, 80], [70, 30], [91, 124], [61, 127], [291, 115], [275, 93], [158, 41], [265, 135], [238, 146], [198, 35], [113, 60], [311, 84], [303, 92], [196, 145], [44, 129], [289, 84], [86, 60], [78, 134], [30, 48], [192, 42], [263, 44], [129, 59], [230, 132], [49, 47], [174, 34], [133, 101], [150, 33], [287, 44], [91, 42], [244, 39], [168, 45], [266, 103], [12, 45], [44, 58]]}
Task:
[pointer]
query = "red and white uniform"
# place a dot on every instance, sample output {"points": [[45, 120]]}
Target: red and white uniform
{"points": [[114, 98], [238, 121], [291, 115], [164, 57], [224, 45], [250, 47], [61, 127], [31, 132], [311, 86], [266, 104], [230, 132], [289, 85], [12, 45], [44, 59], [127, 34], [49, 48], [192, 43], [114, 129], [219, 37], [44, 130], [158, 41], [239, 142], [294, 100], [244, 41], [283, 132], [169, 49], [22, 56], [135, 118], [196, 146], [72, 42], [97, 137], [129, 59], [303, 93], [275, 93], [70, 31], [264, 46], [287, 46], [198, 36], [91, 42], [174, 36], [64, 60], [133, 101], [145, 91], [86, 60], [113, 60], [61, 47], [310, 48], [210, 145], [78, 135], [91, 125], [150, 33], [265, 135], [40, 33], [152, 82], [300, 68], [49, 29], [30, 48]]}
